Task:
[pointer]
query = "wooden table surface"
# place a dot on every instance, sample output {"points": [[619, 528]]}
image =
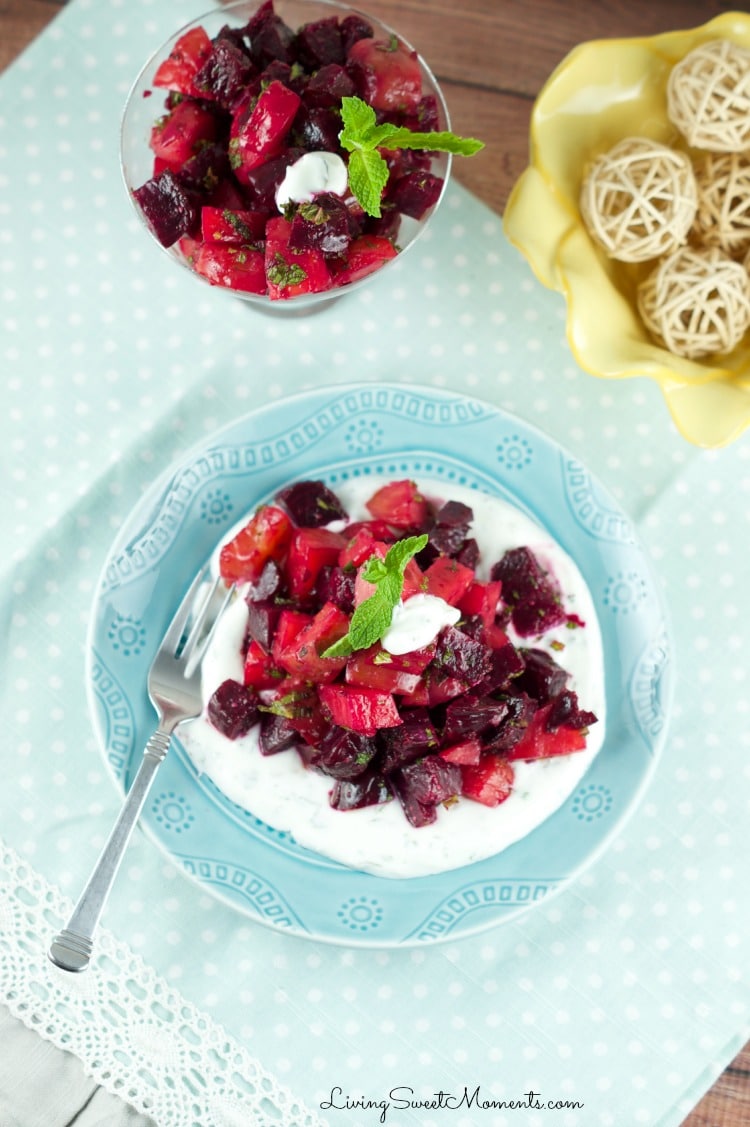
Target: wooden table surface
{"points": [[491, 58]]}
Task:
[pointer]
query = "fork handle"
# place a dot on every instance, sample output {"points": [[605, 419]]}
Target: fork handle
{"points": [[71, 949]]}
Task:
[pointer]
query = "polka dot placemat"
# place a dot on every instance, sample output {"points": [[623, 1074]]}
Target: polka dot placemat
{"points": [[627, 994]]}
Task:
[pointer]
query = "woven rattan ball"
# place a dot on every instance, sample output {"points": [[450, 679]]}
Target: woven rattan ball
{"points": [[708, 96], [639, 199], [696, 302], [723, 215]]}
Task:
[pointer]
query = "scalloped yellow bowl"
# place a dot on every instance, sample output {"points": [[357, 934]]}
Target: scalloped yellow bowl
{"points": [[603, 91]]}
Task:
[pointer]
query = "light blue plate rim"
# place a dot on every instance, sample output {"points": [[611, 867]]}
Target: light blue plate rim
{"points": [[375, 430]]}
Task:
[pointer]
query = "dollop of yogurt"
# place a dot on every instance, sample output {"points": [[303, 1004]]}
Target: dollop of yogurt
{"points": [[312, 174], [417, 622]]}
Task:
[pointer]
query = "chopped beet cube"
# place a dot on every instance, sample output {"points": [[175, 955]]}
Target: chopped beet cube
{"points": [[369, 789], [318, 43], [277, 733], [421, 785], [207, 169], [327, 87], [533, 594], [565, 713], [490, 781], [462, 657], [321, 224], [316, 129], [542, 677], [225, 73], [233, 709], [169, 207], [415, 193], [452, 523], [343, 754], [311, 503], [415, 737], [471, 714], [335, 585], [506, 665], [262, 619], [268, 583], [521, 712], [352, 28], [269, 37]]}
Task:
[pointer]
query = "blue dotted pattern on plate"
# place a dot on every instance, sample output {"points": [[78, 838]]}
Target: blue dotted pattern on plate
{"points": [[380, 432]]}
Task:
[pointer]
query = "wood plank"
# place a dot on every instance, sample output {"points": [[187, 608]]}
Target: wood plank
{"points": [[491, 61]]}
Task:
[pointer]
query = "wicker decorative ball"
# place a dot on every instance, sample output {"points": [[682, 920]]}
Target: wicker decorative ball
{"points": [[708, 96], [696, 302], [639, 200], [723, 215]]}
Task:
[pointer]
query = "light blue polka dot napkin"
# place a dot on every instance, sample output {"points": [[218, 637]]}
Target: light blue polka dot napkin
{"points": [[626, 994]]}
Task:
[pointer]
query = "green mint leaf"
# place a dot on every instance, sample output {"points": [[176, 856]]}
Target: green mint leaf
{"points": [[372, 617], [436, 142], [368, 176], [358, 119]]}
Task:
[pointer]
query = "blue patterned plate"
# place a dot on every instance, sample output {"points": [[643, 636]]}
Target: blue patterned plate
{"points": [[377, 431]]}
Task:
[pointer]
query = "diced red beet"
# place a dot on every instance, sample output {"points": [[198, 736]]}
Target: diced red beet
{"points": [[259, 131], [521, 712], [415, 193], [343, 754], [566, 713], [268, 583], [261, 183], [468, 553], [318, 43], [386, 73], [468, 751], [506, 665], [310, 550], [335, 585], [291, 272], [277, 733], [321, 224], [375, 669], [423, 784], [311, 503], [462, 657], [240, 268], [291, 623], [354, 27], [262, 618], [265, 537], [365, 255], [316, 129], [415, 737], [208, 173], [302, 657], [229, 225], [530, 591], [362, 710], [369, 789], [170, 208], [224, 73], [260, 670], [471, 714], [327, 87], [538, 742], [178, 71], [490, 781], [269, 37], [178, 136], [358, 548], [399, 503], [451, 527], [233, 709], [542, 678], [448, 579]]}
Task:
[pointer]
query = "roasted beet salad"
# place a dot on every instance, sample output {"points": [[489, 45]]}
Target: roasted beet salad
{"points": [[285, 160], [374, 652]]}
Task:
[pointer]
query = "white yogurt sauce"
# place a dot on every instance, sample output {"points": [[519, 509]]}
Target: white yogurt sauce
{"points": [[312, 174], [417, 622], [378, 839]]}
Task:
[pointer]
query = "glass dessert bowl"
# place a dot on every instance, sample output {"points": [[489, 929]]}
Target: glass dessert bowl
{"points": [[233, 155]]}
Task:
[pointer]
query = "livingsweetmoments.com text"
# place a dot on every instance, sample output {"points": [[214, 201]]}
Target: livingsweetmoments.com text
{"points": [[403, 1098]]}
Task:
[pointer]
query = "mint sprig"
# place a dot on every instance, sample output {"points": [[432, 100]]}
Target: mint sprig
{"points": [[372, 617], [362, 136]]}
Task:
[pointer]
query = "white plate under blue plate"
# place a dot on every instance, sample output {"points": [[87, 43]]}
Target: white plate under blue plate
{"points": [[382, 432]]}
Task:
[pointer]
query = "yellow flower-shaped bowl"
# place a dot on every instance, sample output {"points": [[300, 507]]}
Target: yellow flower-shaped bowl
{"points": [[603, 91]]}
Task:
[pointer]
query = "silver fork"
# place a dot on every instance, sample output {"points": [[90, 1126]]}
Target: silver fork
{"points": [[175, 692]]}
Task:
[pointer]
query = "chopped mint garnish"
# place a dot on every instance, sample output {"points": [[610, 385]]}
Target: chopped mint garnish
{"points": [[362, 137], [372, 617]]}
